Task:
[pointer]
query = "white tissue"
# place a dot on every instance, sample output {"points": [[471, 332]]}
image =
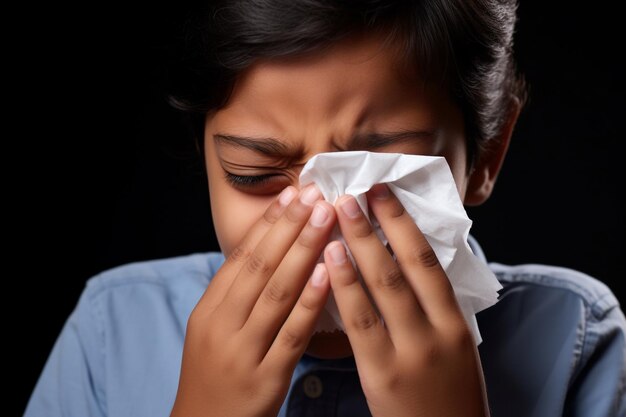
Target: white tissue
{"points": [[425, 187]]}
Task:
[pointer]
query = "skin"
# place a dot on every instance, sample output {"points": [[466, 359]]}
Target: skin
{"points": [[257, 316]]}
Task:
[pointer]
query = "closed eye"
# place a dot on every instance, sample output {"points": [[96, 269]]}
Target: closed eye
{"points": [[261, 185], [248, 180]]}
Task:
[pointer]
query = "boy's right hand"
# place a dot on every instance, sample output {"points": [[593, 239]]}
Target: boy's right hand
{"points": [[254, 321]]}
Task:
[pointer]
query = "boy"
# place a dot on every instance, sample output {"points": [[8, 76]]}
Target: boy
{"points": [[280, 82]]}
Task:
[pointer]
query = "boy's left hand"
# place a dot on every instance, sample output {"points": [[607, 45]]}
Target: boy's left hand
{"points": [[422, 361]]}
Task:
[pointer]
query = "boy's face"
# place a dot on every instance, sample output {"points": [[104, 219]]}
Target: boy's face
{"points": [[283, 112]]}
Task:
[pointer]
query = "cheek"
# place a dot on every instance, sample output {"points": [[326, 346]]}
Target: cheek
{"points": [[458, 167], [455, 153], [234, 214]]}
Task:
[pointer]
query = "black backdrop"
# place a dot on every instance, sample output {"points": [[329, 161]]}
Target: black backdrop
{"points": [[110, 177]]}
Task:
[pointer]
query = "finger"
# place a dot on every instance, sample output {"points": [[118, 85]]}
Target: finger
{"points": [[295, 334], [382, 275], [262, 262], [416, 257], [368, 337], [223, 279], [285, 286]]}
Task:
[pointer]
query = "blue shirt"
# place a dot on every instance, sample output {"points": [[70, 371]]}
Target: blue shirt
{"points": [[554, 345]]}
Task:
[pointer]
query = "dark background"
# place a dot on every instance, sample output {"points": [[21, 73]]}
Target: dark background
{"points": [[107, 173]]}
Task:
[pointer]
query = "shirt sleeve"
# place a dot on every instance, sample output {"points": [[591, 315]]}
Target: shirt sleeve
{"points": [[71, 381], [599, 387]]}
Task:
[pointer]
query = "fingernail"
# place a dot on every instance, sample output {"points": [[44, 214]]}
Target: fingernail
{"points": [[380, 191], [287, 196], [350, 207], [337, 253], [319, 216], [310, 195], [318, 277]]}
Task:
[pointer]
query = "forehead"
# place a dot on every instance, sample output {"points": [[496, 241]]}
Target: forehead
{"points": [[354, 67], [355, 81]]}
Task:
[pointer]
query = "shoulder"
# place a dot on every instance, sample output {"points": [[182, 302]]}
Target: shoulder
{"points": [[533, 279], [560, 333], [541, 307], [135, 294], [124, 306], [128, 319], [168, 273]]}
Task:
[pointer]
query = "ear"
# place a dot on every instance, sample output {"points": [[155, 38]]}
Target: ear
{"points": [[484, 174]]}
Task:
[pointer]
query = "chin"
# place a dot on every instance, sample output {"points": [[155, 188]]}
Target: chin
{"points": [[329, 345]]}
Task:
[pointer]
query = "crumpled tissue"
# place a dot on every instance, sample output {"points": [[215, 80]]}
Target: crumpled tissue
{"points": [[425, 187]]}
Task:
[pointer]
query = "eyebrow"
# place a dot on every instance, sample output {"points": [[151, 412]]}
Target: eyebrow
{"points": [[378, 140], [275, 148], [267, 146]]}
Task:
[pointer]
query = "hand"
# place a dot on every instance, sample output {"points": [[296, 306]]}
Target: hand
{"points": [[421, 359], [253, 323]]}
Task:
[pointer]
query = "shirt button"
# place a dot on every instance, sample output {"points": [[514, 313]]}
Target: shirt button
{"points": [[312, 386]]}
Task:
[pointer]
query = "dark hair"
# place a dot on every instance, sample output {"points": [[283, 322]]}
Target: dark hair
{"points": [[464, 44]]}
